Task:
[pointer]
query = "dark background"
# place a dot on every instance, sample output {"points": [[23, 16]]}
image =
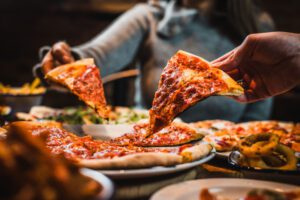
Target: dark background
{"points": [[29, 24]]}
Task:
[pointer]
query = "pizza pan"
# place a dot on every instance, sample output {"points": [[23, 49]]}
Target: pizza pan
{"points": [[287, 176]]}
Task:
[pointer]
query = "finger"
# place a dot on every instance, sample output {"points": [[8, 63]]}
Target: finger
{"points": [[248, 97], [61, 52], [251, 96], [235, 74], [222, 58], [242, 98], [47, 63], [227, 65]]}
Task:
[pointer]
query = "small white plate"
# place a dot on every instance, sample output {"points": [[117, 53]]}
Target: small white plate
{"points": [[154, 171], [107, 131], [107, 186], [229, 188]]}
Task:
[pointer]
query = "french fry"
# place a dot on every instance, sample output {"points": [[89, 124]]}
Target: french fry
{"points": [[25, 89], [35, 84]]}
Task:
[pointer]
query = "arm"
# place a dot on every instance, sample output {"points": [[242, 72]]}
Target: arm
{"points": [[268, 64], [114, 48], [118, 45]]}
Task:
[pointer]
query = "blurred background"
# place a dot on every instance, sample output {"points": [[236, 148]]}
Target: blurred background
{"points": [[29, 24]]}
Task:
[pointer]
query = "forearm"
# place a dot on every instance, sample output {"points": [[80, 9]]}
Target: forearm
{"points": [[296, 60], [118, 45]]}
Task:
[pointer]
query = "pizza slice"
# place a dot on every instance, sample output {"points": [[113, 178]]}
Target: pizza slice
{"points": [[186, 80], [219, 133], [173, 135], [223, 140], [269, 126], [87, 152], [211, 126], [84, 80]]}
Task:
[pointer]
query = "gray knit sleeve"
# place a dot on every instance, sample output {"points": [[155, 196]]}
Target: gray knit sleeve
{"points": [[116, 47], [260, 110]]}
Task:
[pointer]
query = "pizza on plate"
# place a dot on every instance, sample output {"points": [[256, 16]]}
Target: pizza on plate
{"points": [[226, 135], [173, 135], [88, 152], [219, 133], [292, 139], [186, 80], [211, 126], [83, 79], [273, 126]]}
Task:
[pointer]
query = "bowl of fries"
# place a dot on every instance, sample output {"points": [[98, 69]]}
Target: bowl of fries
{"points": [[21, 99]]}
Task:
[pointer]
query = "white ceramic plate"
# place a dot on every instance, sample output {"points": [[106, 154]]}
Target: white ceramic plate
{"points": [[154, 171], [107, 186], [107, 131], [229, 188], [100, 131]]}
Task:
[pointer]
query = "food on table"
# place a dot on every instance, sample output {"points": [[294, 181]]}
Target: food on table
{"points": [[29, 171], [218, 133], [254, 194], [225, 136], [103, 155], [2, 133], [206, 195], [186, 80], [5, 110], [292, 139], [84, 80], [84, 115], [223, 140], [263, 194], [287, 131], [265, 152], [27, 89], [210, 126], [259, 144], [254, 127], [173, 135]]}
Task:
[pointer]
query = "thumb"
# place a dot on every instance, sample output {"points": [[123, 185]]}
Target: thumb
{"points": [[62, 53], [227, 63], [47, 63]]}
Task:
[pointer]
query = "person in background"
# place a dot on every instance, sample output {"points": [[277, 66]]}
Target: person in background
{"points": [[147, 35]]}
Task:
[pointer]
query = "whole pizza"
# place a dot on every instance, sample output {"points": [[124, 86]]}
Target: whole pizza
{"points": [[87, 152]]}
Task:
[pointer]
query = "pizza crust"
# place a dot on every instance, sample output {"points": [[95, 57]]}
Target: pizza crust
{"points": [[138, 160], [234, 89], [149, 159], [196, 152]]}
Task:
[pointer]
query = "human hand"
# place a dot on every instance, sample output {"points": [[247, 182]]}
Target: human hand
{"points": [[267, 63], [59, 54]]}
